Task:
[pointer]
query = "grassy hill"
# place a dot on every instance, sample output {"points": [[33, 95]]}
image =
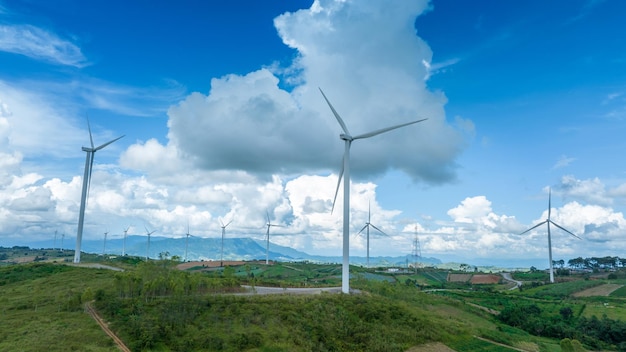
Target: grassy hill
{"points": [[153, 306]]}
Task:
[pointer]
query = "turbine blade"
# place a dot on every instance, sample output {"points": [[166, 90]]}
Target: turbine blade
{"points": [[107, 143], [228, 223], [564, 229], [343, 125], [383, 130], [267, 213], [534, 227], [90, 137], [91, 157], [549, 202], [379, 230], [338, 184], [364, 227]]}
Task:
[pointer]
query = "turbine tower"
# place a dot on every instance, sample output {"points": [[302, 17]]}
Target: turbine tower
{"points": [[345, 171], [267, 237], [148, 248], [124, 245], [86, 183], [223, 234], [549, 221], [367, 226]]}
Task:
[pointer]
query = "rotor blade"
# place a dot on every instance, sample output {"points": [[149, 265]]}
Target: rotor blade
{"points": [[364, 227], [534, 227], [343, 125], [267, 213], [383, 130], [562, 228], [338, 184], [107, 143], [90, 137], [146, 229], [228, 223], [549, 202], [91, 157], [379, 230]]}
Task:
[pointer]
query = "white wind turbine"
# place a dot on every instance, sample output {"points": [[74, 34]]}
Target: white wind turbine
{"points": [[124, 245], [148, 248], [86, 183], [345, 171], [549, 221], [367, 226], [223, 234], [104, 245], [187, 241], [267, 237]]}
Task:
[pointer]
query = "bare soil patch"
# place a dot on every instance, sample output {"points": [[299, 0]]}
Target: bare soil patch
{"points": [[602, 290], [431, 347]]}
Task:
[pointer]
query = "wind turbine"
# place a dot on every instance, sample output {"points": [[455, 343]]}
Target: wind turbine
{"points": [[124, 246], [187, 241], [223, 234], [367, 226], [104, 246], [345, 171], [86, 183], [549, 221], [267, 236], [148, 249], [55, 240], [62, 238]]}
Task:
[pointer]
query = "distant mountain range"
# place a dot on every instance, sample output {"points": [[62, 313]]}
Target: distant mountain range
{"points": [[209, 249]]}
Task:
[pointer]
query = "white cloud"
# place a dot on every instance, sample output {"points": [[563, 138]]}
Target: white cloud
{"points": [[589, 191], [40, 44]]}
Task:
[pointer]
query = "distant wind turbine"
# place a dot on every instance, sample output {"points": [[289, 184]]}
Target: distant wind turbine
{"points": [[104, 246], [55, 240], [367, 226], [549, 221], [267, 237], [187, 241], [345, 171], [62, 238], [223, 234], [86, 183], [148, 248], [124, 245]]}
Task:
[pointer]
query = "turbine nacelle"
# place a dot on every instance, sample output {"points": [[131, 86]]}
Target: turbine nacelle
{"points": [[346, 137]]}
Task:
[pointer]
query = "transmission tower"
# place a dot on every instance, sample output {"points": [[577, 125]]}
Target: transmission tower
{"points": [[417, 251]]}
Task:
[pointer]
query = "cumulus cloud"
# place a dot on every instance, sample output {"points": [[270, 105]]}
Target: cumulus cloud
{"points": [[248, 122]]}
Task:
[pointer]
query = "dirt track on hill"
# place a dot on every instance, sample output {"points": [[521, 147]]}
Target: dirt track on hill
{"points": [[94, 314], [602, 290]]}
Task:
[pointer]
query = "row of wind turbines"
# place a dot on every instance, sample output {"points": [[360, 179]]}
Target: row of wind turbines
{"points": [[344, 176]]}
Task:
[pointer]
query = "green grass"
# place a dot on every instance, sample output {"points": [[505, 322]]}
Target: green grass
{"points": [[41, 309], [154, 307], [620, 292]]}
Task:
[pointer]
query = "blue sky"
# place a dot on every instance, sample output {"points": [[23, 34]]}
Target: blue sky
{"points": [[223, 119]]}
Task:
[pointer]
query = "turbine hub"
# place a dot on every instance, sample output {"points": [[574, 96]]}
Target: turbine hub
{"points": [[346, 137]]}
